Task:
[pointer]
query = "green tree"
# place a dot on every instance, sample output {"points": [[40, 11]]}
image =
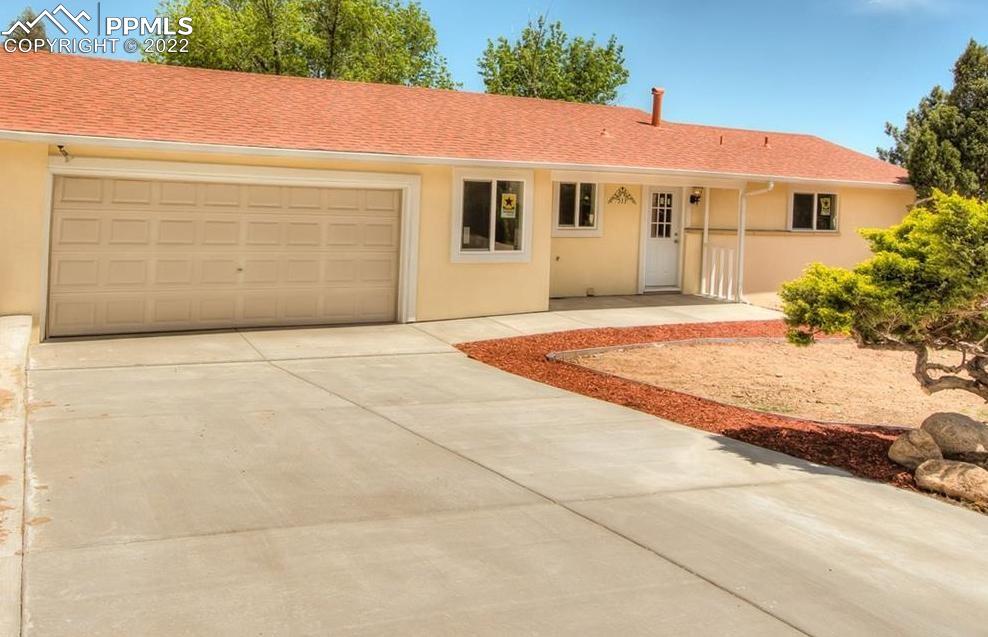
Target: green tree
{"points": [[925, 290], [944, 142], [545, 62], [375, 41], [34, 35], [368, 40]]}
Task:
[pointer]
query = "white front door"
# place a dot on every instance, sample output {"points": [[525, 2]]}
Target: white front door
{"points": [[662, 238]]}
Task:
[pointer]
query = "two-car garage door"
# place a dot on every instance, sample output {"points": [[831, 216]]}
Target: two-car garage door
{"points": [[132, 255]]}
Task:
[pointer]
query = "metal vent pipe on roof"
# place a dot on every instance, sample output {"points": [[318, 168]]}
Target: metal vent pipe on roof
{"points": [[657, 94]]}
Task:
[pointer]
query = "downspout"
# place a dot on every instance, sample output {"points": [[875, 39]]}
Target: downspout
{"points": [[742, 228]]}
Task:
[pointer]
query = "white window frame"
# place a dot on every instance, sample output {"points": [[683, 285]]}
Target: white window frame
{"points": [[458, 255], [596, 230], [816, 194]]}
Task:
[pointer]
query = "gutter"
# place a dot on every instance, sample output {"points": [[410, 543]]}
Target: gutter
{"points": [[742, 227], [263, 151]]}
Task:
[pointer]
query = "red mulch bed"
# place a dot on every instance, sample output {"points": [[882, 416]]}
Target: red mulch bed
{"points": [[862, 451]]}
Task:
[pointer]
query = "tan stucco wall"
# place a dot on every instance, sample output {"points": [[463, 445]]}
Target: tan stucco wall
{"points": [[774, 255], [445, 289], [608, 264], [23, 177], [558, 267]]}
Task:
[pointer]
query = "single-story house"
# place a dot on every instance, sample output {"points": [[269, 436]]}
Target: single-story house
{"points": [[139, 197]]}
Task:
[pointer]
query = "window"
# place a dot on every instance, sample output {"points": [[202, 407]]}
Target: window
{"points": [[814, 211], [660, 219], [576, 206], [490, 221]]}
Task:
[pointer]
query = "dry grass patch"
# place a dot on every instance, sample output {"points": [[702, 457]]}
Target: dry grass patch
{"points": [[833, 380]]}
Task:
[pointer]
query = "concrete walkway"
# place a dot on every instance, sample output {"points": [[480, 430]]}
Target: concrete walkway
{"points": [[375, 481]]}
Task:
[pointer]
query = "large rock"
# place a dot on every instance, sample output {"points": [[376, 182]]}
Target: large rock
{"points": [[956, 433], [913, 448], [961, 480]]}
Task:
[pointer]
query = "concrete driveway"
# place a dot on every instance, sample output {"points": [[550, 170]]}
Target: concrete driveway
{"points": [[375, 481]]}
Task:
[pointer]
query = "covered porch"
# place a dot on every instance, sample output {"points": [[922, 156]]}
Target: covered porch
{"points": [[648, 234]]}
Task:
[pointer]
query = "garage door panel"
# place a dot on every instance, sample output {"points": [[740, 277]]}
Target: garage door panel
{"points": [[304, 233], [77, 230], [223, 195], [74, 316], [177, 193], [126, 312], [75, 190], [173, 272], [128, 272], [221, 232], [130, 191], [381, 234], [142, 255], [176, 232], [69, 271], [129, 232], [375, 303]]}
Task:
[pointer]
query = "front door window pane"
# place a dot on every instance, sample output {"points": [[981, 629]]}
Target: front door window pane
{"points": [[660, 223], [507, 227], [476, 231]]}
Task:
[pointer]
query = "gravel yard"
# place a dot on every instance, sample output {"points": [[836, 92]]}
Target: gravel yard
{"points": [[833, 380]]}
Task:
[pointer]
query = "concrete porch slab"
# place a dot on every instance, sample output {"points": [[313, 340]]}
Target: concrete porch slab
{"points": [[627, 317]]}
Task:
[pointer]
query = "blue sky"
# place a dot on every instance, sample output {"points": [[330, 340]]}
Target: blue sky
{"points": [[834, 68]]}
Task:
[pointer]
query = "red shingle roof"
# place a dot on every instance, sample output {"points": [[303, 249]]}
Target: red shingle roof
{"points": [[90, 96]]}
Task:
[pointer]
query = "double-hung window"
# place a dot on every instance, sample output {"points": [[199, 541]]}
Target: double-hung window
{"points": [[816, 211], [575, 209], [491, 220]]}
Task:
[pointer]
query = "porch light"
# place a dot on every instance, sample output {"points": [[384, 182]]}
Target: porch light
{"points": [[696, 195]]}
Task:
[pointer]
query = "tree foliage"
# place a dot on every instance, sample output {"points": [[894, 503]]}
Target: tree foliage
{"points": [[36, 34], [925, 289], [944, 143], [545, 62], [366, 40]]}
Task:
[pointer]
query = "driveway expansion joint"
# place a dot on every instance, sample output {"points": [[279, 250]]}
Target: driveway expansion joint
{"points": [[554, 501]]}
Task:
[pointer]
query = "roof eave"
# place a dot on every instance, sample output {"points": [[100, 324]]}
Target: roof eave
{"points": [[264, 151]]}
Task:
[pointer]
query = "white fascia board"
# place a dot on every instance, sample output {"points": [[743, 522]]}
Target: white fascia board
{"points": [[259, 151]]}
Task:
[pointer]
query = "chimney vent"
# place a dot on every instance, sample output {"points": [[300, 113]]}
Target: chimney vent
{"points": [[657, 106]]}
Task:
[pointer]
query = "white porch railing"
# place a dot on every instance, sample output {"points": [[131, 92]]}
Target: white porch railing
{"points": [[717, 277]]}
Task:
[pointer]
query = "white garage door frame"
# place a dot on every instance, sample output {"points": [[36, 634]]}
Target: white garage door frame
{"points": [[409, 185]]}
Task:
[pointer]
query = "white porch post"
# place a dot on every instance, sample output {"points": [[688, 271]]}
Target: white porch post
{"points": [[742, 223], [743, 194], [704, 273]]}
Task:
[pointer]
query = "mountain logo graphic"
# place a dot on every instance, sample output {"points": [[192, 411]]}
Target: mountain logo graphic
{"points": [[52, 17]]}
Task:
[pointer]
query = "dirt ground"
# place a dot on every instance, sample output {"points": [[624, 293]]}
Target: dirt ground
{"points": [[830, 381]]}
